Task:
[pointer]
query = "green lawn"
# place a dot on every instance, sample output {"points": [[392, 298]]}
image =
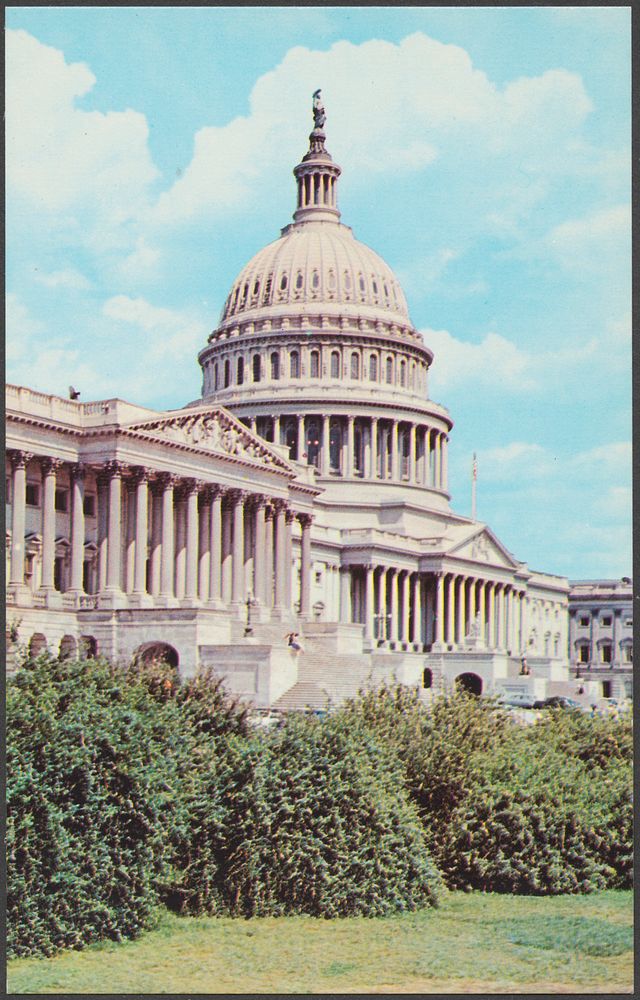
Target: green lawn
{"points": [[475, 943]]}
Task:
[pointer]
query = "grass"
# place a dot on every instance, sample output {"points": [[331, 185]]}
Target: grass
{"points": [[474, 943]]}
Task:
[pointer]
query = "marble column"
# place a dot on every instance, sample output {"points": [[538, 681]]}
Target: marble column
{"points": [[436, 462], [501, 618], [204, 540], [405, 608], [345, 594], [305, 564], [215, 546], [156, 538], [395, 429], [412, 453], [301, 448], [259, 550], [191, 581], [451, 610], [49, 467], [19, 462], [168, 543], [392, 576], [368, 603], [482, 612], [280, 555], [268, 556], [76, 477], [325, 446], [237, 558], [350, 450], [445, 462], [417, 631], [180, 562], [440, 634], [373, 468], [141, 480], [289, 519], [491, 622], [114, 545]]}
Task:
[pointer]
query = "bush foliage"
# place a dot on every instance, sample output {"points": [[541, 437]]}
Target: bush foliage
{"points": [[127, 788]]}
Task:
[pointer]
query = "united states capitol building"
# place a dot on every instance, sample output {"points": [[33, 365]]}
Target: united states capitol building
{"points": [[306, 490]]}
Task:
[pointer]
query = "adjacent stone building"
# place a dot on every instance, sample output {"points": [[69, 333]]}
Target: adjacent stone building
{"points": [[601, 635], [307, 489]]}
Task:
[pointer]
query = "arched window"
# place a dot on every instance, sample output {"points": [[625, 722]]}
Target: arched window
{"points": [[412, 380], [355, 365], [294, 365], [291, 436], [315, 280], [275, 366], [427, 678], [235, 297], [267, 289], [256, 286], [216, 377], [373, 368], [335, 364], [245, 292], [314, 365], [256, 368], [283, 282], [347, 281], [240, 371], [299, 280], [227, 373], [374, 285], [361, 283], [331, 281], [403, 373], [389, 371]]}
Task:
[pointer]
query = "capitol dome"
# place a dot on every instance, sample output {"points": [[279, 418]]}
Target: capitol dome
{"points": [[316, 262]]}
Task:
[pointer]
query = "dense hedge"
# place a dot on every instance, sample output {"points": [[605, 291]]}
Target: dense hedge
{"points": [[509, 808]]}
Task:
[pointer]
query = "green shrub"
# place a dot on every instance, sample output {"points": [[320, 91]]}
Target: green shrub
{"points": [[83, 795], [319, 823]]}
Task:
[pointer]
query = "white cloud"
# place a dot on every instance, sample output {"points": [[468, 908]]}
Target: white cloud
{"points": [[141, 264], [389, 107], [168, 331], [68, 277], [585, 243], [60, 158]]}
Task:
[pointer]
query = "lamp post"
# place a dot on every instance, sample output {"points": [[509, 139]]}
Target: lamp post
{"points": [[248, 630]]}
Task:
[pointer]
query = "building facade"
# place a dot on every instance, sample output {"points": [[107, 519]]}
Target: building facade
{"points": [[306, 489], [601, 635]]}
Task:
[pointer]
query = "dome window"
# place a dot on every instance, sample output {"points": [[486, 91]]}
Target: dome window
{"points": [[245, 292], [256, 286], [315, 364], [299, 280], [294, 365], [355, 365], [283, 283], [389, 372], [215, 377], [227, 374], [240, 371], [332, 281], [235, 297], [361, 283], [347, 280], [386, 290], [267, 290], [335, 364], [315, 280], [373, 368], [256, 368], [374, 285], [275, 366], [403, 373]]}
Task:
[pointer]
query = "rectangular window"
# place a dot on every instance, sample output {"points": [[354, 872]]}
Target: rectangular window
{"points": [[584, 620], [62, 501], [628, 622], [583, 654], [33, 495], [606, 621], [89, 505], [606, 653], [606, 689]]}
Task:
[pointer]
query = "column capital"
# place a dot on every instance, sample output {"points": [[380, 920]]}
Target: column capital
{"points": [[256, 501], [115, 469], [269, 512], [50, 465], [289, 516], [18, 458], [305, 520], [279, 505], [77, 471], [139, 474], [167, 480], [236, 497]]}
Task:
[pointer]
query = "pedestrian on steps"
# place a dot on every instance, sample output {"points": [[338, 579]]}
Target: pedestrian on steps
{"points": [[293, 641]]}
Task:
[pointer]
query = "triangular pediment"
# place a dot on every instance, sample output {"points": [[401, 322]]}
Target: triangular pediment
{"points": [[210, 431], [483, 546]]}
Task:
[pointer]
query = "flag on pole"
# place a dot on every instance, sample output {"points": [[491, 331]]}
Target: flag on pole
{"points": [[475, 466]]}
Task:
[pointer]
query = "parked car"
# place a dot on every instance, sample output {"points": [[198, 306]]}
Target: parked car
{"points": [[517, 699], [557, 701]]}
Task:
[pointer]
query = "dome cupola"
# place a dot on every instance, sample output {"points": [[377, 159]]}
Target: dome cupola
{"points": [[317, 175]]}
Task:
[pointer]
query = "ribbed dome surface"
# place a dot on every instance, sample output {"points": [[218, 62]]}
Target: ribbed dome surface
{"points": [[316, 264]]}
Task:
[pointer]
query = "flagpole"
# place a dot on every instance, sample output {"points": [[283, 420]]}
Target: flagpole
{"points": [[474, 480]]}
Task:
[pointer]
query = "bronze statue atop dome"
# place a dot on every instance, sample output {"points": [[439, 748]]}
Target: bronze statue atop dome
{"points": [[319, 117]]}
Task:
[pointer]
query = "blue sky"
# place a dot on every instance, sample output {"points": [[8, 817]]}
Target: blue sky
{"points": [[485, 156]]}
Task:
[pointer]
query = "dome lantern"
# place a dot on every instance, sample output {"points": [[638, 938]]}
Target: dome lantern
{"points": [[317, 175]]}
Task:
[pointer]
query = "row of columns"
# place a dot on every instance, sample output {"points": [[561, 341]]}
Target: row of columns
{"points": [[400, 607], [194, 551], [381, 452]]}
